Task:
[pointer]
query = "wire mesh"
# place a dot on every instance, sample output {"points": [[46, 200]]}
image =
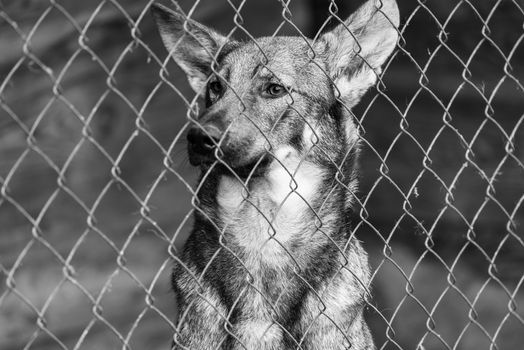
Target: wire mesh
{"points": [[97, 197]]}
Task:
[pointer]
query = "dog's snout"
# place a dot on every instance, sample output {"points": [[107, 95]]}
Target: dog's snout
{"points": [[205, 140], [202, 143]]}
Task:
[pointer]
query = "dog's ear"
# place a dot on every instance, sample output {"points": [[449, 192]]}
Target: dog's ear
{"points": [[192, 45], [355, 50]]}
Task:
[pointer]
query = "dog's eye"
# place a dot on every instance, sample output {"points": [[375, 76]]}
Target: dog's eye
{"points": [[275, 90]]}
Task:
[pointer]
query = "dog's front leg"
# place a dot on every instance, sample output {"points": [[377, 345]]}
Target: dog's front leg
{"points": [[334, 327], [202, 317]]}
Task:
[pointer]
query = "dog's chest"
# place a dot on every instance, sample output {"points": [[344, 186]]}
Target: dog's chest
{"points": [[271, 213], [267, 224]]}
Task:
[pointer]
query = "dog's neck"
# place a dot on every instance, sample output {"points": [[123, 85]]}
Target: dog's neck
{"points": [[287, 207]]}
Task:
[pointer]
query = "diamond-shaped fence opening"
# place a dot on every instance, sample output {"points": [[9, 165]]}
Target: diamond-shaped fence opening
{"points": [[97, 195]]}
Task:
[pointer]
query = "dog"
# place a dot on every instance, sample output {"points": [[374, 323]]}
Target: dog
{"points": [[271, 262]]}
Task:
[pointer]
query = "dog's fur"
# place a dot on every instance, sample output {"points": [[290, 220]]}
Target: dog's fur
{"points": [[271, 262]]}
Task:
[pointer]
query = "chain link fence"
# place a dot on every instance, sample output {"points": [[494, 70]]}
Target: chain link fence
{"points": [[96, 193]]}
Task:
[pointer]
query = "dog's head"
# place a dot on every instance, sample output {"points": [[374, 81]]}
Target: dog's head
{"points": [[279, 95]]}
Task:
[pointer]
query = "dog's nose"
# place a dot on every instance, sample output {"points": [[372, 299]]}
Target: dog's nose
{"points": [[205, 141], [202, 143]]}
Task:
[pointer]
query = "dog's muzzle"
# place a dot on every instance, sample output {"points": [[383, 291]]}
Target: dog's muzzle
{"points": [[206, 146], [202, 144]]}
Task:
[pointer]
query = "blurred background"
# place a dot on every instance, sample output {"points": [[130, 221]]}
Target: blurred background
{"points": [[96, 186]]}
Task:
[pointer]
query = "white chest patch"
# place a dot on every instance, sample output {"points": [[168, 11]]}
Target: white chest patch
{"points": [[293, 181], [276, 208]]}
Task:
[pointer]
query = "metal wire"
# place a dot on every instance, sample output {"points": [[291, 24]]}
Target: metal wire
{"points": [[96, 196]]}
